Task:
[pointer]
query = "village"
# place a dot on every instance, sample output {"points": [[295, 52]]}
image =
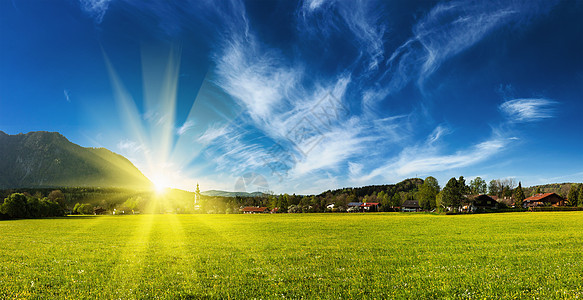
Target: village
{"points": [[474, 204]]}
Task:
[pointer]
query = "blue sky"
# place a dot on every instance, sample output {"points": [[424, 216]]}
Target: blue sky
{"points": [[302, 97]]}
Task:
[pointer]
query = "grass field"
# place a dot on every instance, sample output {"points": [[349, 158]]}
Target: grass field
{"points": [[392, 255]]}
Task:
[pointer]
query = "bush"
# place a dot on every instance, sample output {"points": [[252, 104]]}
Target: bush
{"points": [[19, 206]]}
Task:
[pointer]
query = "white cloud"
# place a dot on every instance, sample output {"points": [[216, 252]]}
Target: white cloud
{"points": [[67, 95], [448, 29], [213, 132], [255, 78], [361, 18], [185, 127], [437, 133], [528, 110], [338, 145], [131, 147], [95, 8], [427, 157], [354, 169]]}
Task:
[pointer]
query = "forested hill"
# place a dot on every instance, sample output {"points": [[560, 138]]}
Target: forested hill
{"points": [[48, 159], [407, 185], [558, 188]]}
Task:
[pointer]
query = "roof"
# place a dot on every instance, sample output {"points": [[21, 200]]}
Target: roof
{"points": [[411, 204], [354, 204], [369, 204], [540, 197], [483, 200], [254, 209]]}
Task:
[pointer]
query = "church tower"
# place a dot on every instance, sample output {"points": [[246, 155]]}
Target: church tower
{"points": [[197, 197]]}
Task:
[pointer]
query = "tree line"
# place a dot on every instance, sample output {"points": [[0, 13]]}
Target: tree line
{"points": [[32, 203], [21, 206]]}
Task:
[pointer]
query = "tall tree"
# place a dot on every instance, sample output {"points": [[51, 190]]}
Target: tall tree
{"points": [[478, 186], [580, 198], [15, 206], [58, 197], [518, 195], [493, 189], [573, 195], [428, 193], [439, 201], [462, 187], [396, 200], [452, 194]]}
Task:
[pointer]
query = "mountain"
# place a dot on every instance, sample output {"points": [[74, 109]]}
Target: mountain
{"points": [[48, 159], [215, 193]]}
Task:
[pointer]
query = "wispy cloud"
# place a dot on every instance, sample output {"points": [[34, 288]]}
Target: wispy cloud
{"points": [[426, 158], [448, 29], [131, 147], [528, 110], [361, 18], [438, 132], [213, 132], [185, 127], [278, 91], [67, 95], [95, 8]]}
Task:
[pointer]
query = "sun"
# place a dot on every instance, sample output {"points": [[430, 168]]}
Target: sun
{"points": [[161, 184]]}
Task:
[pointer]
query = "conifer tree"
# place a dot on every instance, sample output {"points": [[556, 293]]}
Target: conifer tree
{"points": [[519, 195], [573, 195]]}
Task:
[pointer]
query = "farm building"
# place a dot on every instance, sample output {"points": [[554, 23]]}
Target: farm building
{"points": [[254, 210], [410, 205], [363, 207], [99, 211], [370, 207], [354, 206], [481, 202], [546, 199]]}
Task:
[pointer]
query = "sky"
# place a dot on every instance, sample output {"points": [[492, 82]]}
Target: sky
{"points": [[302, 97]]}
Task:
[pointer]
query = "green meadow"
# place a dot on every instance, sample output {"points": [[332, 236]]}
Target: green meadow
{"points": [[384, 255]]}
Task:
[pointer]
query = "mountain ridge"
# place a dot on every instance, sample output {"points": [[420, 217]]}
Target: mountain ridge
{"points": [[219, 193], [49, 159]]}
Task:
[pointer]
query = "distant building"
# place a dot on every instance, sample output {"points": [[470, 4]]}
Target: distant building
{"points": [[481, 202], [370, 206], [354, 206], [254, 210], [363, 207], [545, 199], [99, 211], [410, 205]]}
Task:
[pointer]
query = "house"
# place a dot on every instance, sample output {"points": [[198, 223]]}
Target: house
{"points": [[481, 202], [99, 211], [410, 205], [254, 210], [546, 199], [353, 206], [370, 206]]}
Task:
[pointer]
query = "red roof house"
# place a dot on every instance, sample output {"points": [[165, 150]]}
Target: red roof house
{"points": [[254, 210], [545, 199], [370, 206]]}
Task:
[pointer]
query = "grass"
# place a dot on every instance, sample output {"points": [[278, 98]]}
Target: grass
{"points": [[386, 255]]}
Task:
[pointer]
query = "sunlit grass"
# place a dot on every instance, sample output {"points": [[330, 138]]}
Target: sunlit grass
{"points": [[518, 255]]}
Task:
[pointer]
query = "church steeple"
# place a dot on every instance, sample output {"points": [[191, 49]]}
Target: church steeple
{"points": [[196, 197]]}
